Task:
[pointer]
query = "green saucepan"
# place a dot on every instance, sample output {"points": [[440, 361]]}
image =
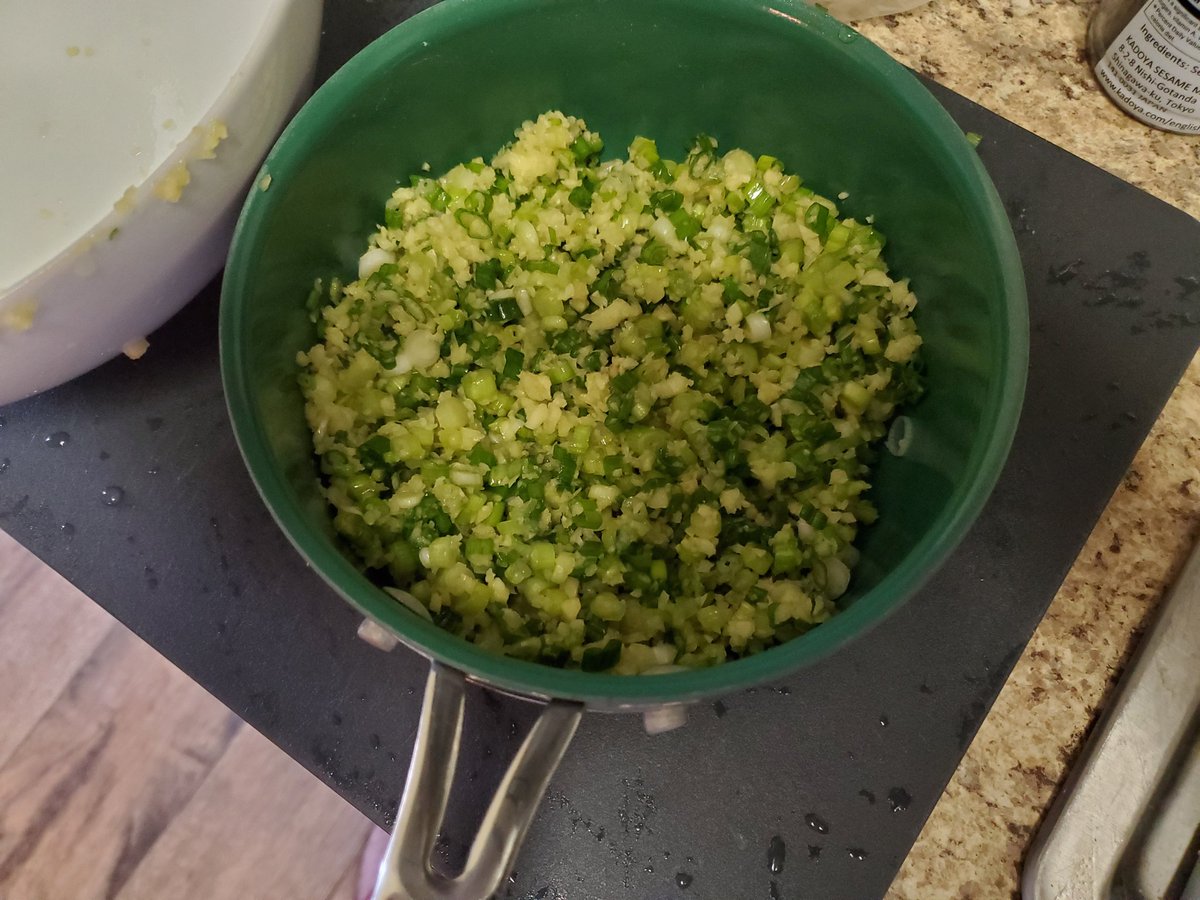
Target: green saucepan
{"points": [[782, 78]]}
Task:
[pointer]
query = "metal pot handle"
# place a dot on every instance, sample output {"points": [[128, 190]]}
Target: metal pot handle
{"points": [[406, 872]]}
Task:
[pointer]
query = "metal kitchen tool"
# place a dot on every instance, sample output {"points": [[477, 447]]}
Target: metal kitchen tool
{"points": [[1126, 824]]}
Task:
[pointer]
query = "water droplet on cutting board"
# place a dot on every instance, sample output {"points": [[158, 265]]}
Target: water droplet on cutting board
{"points": [[683, 880], [1064, 274], [67, 528], [776, 854], [899, 798], [816, 823], [4, 464], [814, 852], [883, 721], [113, 495], [58, 439], [857, 854]]}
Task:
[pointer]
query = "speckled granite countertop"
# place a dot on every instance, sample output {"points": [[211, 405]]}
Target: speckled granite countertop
{"points": [[1024, 59]]}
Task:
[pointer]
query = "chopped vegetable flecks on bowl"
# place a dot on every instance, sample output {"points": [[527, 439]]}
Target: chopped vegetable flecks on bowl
{"points": [[612, 415]]}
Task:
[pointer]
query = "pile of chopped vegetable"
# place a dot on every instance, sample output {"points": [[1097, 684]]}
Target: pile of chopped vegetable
{"points": [[612, 415]]}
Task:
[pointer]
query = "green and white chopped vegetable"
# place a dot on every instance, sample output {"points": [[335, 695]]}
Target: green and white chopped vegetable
{"points": [[611, 415]]}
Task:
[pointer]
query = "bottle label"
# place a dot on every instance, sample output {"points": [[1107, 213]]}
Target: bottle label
{"points": [[1153, 66]]}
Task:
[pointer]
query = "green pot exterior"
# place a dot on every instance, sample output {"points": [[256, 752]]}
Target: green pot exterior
{"points": [[785, 79]]}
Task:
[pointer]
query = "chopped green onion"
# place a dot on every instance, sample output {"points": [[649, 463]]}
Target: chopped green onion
{"points": [[476, 225], [438, 198], [479, 202], [483, 547], [686, 225], [644, 152], [654, 252], [479, 385], [601, 659], [488, 274], [580, 197], [514, 363], [559, 371], [481, 455], [584, 149], [816, 217], [505, 310], [758, 251], [758, 201], [668, 201]]}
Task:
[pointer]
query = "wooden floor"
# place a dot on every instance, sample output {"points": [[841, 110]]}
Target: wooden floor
{"points": [[121, 779]]}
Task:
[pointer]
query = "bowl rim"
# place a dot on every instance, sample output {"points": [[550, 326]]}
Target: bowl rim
{"points": [[602, 690], [234, 87]]}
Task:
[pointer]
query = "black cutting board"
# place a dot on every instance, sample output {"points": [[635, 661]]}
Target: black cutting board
{"points": [[190, 560]]}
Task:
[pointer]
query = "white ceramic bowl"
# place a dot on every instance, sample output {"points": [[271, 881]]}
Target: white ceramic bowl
{"points": [[130, 132]]}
